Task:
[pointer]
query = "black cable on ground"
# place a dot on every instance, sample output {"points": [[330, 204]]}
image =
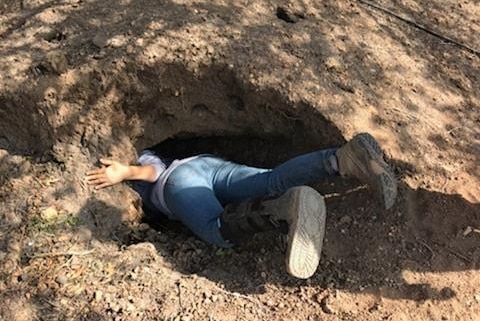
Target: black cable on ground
{"points": [[421, 27]]}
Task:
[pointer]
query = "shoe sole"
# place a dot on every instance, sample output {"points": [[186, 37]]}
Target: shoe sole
{"points": [[306, 232], [386, 180]]}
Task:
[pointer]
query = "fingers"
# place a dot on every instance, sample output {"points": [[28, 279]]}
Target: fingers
{"points": [[105, 161], [106, 184], [91, 177], [96, 171], [99, 183]]}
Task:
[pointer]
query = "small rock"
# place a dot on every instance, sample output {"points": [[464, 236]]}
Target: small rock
{"points": [[84, 234], [100, 55], [101, 40], [129, 49], [477, 297], [143, 227], [130, 307], [61, 279], [207, 294], [49, 34], [55, 61], [49, 214], [374, 307], [467, 231], [97, 295], [333, 63], [23, 277], [326, 306], [345, 220]]}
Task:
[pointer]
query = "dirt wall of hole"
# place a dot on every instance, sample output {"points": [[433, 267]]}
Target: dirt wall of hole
{"points": [[74, 119]]}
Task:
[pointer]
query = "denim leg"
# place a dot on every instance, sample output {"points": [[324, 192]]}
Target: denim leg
{"points": [[195, 191], [190, 197], [234, 183]]}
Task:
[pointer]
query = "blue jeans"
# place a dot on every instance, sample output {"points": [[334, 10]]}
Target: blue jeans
{"points": [[196, 191]]}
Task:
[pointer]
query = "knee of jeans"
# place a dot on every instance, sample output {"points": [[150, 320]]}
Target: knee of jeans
{"points": [[210, 233]]}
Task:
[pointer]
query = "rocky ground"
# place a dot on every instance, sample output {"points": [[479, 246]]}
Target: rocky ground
{"points": [[257, 82]]}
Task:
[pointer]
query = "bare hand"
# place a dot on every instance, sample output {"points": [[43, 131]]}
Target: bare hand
{"points": [[110, 174]]}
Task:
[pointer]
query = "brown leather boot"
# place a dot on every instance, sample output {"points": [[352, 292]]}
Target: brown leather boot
{"points": [[300, 210], [362, 158]]}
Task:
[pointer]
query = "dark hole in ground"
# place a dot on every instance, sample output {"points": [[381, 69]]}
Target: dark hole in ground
{"points": [[249, 150], [287, 15]]}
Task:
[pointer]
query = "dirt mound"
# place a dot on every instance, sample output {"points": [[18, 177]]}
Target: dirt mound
{"points": [[257, 82]]}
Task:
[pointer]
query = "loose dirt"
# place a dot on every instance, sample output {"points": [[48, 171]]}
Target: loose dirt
{"points": [[256, 82]]}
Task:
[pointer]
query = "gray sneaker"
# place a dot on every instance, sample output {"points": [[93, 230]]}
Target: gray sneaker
{"points": [[362, 158], [300, 209], [305, 214]]}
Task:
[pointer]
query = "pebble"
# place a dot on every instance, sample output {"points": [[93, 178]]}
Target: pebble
{"points": [[84, 234], [326, 306], [467, 231], [101, 40], [61, 279], [56, 62], [143, 227], [97, 295], [23, 277], [374, 307], [333, 63], [346, 219], [49, 214], [207, 294], [129, 49], [49, 34]]}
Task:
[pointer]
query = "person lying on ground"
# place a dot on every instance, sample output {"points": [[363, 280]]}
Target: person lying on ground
{"points": [[225, 203]]}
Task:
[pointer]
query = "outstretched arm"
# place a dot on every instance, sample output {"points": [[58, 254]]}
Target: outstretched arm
{"points": [[113, 172]]}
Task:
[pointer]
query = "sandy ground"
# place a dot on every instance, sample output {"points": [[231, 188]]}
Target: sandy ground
{"points": [[257, 82]]}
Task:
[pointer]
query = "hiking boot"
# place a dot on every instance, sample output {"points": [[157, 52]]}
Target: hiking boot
{"points": [[299, 212], [362, 158]]}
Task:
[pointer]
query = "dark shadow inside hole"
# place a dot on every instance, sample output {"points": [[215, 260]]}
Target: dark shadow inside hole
{"points": [[249, 150]]}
